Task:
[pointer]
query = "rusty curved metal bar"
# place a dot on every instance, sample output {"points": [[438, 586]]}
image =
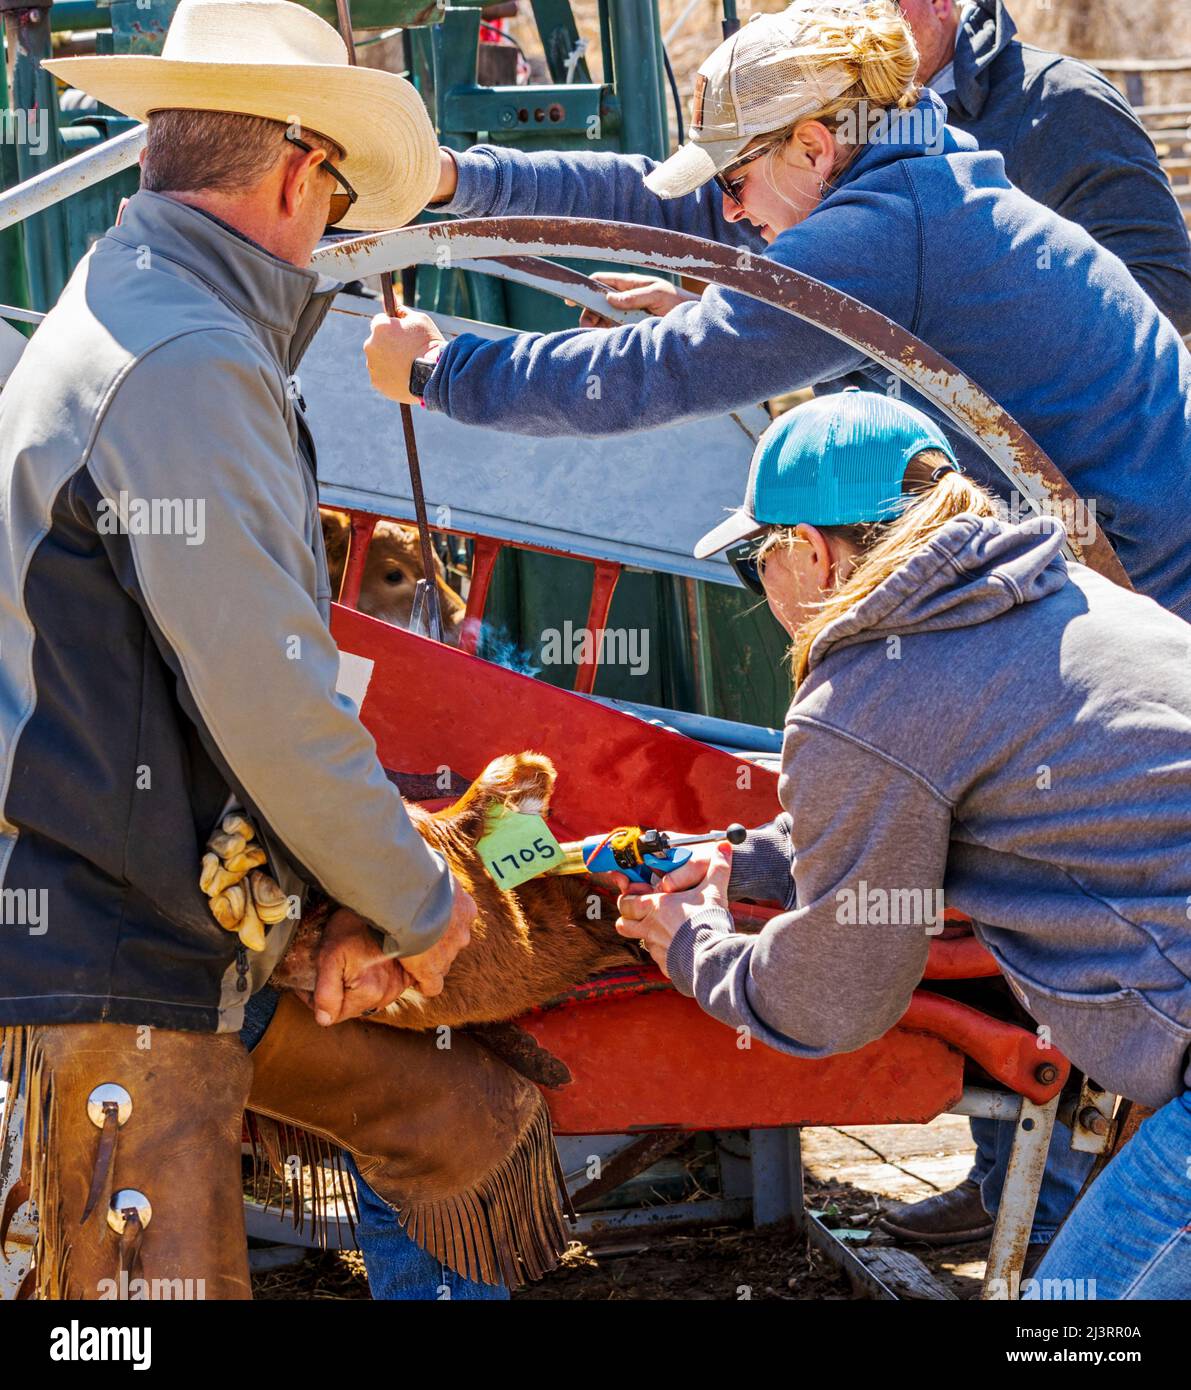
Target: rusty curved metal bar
{"points": [[972, 410], [562, 281]]}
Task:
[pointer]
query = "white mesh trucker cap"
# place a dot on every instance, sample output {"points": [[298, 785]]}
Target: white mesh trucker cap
{"points": [[762, 79]]}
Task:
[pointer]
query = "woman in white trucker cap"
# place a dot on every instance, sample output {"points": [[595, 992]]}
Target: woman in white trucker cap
{"points": [[812, 144], [978, 719]]}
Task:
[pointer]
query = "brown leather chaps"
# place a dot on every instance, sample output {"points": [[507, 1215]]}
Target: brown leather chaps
{"points": [[131, 1156], [132, 1141]]}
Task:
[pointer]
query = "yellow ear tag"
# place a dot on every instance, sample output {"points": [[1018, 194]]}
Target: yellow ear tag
{"points": [[516, 848]]}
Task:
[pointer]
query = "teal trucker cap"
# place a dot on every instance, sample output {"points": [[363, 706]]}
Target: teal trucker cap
{"points": [[832, 461]]}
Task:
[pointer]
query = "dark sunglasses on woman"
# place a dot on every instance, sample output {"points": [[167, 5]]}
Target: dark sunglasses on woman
{"points": [[731, 187], [746, 564]]}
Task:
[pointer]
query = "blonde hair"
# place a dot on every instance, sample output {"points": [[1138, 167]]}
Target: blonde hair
{"points": [[885, 546], [874, 42]]}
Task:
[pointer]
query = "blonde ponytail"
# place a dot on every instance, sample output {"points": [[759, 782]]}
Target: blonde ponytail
{"points": [[886, 546], [875, 40]]}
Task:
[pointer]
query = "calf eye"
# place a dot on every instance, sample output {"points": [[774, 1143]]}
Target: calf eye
{"points": [[395, 577]]}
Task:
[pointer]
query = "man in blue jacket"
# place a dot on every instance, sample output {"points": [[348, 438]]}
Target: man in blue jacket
{"points": [[1068, 137]]}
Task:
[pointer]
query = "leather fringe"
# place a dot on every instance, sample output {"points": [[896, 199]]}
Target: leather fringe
{"points": [[22, 1066], [286, 1152], [509, 1228]]}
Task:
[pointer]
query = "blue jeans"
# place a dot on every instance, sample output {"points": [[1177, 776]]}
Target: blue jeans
{"points": [[1130, 1237], [398, 1268], [1062, 1180]]}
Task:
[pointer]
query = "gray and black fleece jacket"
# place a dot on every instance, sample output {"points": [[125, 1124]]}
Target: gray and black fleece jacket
{"points": [[1015, 731], [164, 647]]}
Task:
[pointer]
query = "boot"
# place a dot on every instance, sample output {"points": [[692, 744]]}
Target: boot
{"points": [[451, 1137], [132, 1158], [948, 1218]]}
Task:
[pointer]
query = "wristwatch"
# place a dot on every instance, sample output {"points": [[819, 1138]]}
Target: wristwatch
{"points": [[420, 371]]}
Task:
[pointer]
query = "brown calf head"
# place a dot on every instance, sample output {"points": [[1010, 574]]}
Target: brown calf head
{"points": [[526, 946], [391, 573]]}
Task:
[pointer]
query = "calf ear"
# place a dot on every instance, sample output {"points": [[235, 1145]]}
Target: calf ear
{"points": [[519, 781]]}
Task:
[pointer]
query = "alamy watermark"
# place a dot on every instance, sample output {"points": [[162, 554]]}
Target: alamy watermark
{"points": [[153, 516], [80, 1342], [1048, 1290], [607, 646], [868, 906], [863, 124], [25, 907], [29, 129], [135, 1290], [1077, 514]]}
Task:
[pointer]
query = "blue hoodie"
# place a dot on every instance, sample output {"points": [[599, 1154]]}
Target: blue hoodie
{"points": [[1026, 303], [1015, 731]]}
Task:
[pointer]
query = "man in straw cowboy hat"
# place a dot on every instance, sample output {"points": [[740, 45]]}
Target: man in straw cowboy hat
{"points": [[169, 684]]}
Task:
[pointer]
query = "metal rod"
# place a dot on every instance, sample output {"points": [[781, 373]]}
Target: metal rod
{"points": [[71, 176], [10, 311], [79, 15], [426, 591], [554, 279], [735, 834], [988, 1105], [345, 29], [433, 608], [680, 23], [847, 1260], [1019, 1197]]}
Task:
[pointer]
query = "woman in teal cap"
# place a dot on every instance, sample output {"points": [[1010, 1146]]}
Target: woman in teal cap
{"points": [[974, 715]]}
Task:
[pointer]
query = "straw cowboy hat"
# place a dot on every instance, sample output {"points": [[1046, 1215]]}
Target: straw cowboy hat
{"points": [[276, 59]]}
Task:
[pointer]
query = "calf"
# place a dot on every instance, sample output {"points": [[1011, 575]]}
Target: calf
{"points": [[391, 573], [527, 945]]}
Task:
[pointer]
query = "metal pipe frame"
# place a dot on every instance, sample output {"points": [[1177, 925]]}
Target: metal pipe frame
{"points": [[987, 1105], [971, 410], [71, 176], [1019, 1197]]}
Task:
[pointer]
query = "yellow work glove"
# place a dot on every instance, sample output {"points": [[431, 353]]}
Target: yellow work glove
{"points": [[245, 908]]}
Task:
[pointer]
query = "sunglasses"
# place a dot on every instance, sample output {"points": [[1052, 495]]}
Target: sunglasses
{"points": [[730, 188], [340, 202], [733, 187], [746, 561]]}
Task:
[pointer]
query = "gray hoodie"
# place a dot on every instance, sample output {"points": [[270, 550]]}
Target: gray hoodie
{"points": [[1014, 730]]}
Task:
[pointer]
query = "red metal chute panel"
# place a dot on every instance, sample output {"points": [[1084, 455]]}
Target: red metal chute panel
{"points": [[641, 1055], [428, 705], [656, 1061]]}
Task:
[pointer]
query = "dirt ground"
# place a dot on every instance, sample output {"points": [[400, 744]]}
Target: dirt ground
{"points": [[847, 1171]]}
